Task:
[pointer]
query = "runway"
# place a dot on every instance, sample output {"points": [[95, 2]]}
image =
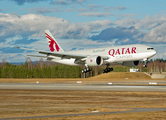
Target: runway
{"points": [[81, 114], [65, 96], [91, 87]]}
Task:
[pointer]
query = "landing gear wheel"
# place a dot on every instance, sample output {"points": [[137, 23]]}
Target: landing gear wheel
{"points": [[144, 65], [107, 70], [82, 71], [86, 70], [110, 69], [90, 69]]}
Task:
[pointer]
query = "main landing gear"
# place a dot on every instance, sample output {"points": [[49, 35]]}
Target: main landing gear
{"points": [[87, 69], [108, 69]]}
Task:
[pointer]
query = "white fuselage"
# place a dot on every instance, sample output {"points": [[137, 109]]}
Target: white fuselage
{"points": [[114, 54]]}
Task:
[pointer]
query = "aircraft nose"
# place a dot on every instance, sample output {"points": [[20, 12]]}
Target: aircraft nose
{"points": [[155, 52], [152, 53]]}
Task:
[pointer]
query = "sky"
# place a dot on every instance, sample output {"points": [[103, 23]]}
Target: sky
{"points": [[80, 24]]}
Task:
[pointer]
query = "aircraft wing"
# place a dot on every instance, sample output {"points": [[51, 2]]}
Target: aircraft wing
{"points": [[38, 56], [62, 54]]}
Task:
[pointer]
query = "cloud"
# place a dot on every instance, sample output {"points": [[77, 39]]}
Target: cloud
{"points": [[16, 57], [125, 31], [81, 30], [93, 6], [96, 14], [149, 29], [25, 41], [60, 2], [57, 2], [146, 23], [121, 8], [132, 31], [77, 1], [128, 15], [87, 43], [90, 8], [31, 26], [152, 29], [1, 10], [151, 22], [112, 8], [43, 10], [83, 10], [118, 32], [67, 2], [21, 2], [127, 22], [9, 56], [156, 35]]}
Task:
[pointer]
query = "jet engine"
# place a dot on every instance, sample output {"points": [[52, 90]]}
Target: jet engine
{"points": [[94, 60], [131, 63]]}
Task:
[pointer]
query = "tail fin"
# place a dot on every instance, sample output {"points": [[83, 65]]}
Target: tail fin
{"points": [[53, 44]]}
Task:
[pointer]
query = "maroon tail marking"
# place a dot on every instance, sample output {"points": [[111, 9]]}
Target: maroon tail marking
{"points": [[52, 42]]}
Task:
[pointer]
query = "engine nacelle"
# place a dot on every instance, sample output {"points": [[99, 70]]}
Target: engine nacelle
{"points": [[131, 63], [94, 60]]}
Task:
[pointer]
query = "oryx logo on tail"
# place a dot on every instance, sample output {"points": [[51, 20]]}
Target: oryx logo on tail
{"points": [[52, 44]]}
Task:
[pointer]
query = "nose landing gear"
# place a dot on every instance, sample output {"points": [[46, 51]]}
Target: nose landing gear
{"points": [[86, 69], [145, 62]]}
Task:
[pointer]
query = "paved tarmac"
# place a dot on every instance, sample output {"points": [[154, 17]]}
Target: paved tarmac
{"points": [[92, 87], [96, 113]]}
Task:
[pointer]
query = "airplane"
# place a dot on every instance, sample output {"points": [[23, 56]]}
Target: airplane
{"points": [[128, 55]]}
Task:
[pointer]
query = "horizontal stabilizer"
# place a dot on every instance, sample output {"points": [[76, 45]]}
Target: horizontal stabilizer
{"points": [[38, 56]]}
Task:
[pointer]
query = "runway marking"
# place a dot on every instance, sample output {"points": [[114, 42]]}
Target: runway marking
{"points": [[43, 86]]}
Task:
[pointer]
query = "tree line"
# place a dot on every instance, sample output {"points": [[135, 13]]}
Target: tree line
{"points": [[38, 69], [48, 69]]}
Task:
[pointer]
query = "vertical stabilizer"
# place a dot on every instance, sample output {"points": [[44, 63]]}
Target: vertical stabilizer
{"points": [[53, 44]]}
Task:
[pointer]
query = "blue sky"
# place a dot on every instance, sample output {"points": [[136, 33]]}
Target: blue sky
{"points": [[78, 24]]}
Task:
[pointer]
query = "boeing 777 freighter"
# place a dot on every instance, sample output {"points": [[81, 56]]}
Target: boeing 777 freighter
{"points": [[128, 55]]}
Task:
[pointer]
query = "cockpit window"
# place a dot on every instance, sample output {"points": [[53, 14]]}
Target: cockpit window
{"points": [[150, 48]]}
